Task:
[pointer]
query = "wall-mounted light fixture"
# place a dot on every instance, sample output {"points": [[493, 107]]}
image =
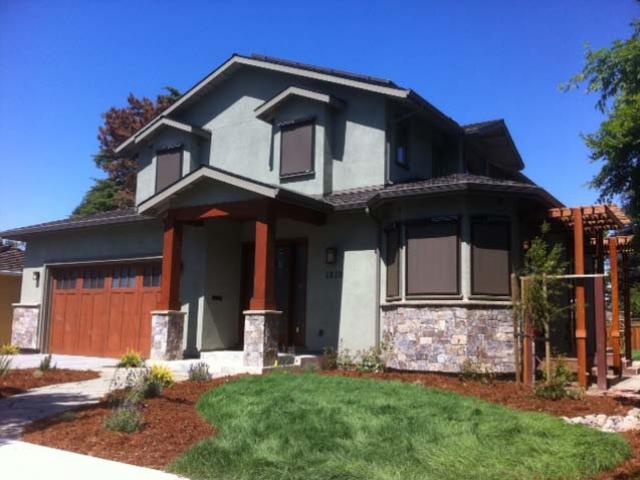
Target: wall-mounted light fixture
{"points": [[331, 256], [36, 278]]}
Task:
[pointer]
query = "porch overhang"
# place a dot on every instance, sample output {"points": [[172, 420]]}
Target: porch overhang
{"points": [[286, 200], [267, 110], [152, 129]]}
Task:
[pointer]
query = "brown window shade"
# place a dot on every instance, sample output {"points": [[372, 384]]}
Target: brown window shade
{"points": [[490, 253], [432, 258], [168, 168], [393, 263], [296, 148]]}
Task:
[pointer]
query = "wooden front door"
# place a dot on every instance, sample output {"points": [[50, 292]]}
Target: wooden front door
{"points": [[103, 310], [291, 289]]}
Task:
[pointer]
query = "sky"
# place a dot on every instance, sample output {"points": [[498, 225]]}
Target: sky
{"points": [[63, 63]]}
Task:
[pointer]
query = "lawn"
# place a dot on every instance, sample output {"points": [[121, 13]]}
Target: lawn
{"points": [[320, 427]]}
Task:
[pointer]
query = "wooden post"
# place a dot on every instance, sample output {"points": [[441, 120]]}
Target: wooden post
{"points": [[264, 265], [517, 303], [601, 333], [581, 314], [626, 295], [528, 363], [171, 265], [615, 305], [599, 252]]}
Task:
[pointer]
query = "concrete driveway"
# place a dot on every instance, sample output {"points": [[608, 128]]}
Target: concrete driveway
{"points": [[71, 362]]}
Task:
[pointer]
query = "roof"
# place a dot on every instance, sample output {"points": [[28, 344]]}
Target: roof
{"points": [[265, 111], [496, 138], [11, 259], [363, 82], [458, 182], [99, 219], [216, 174], [151, 129]]}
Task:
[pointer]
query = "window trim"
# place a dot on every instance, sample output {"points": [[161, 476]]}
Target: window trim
{"points": [[297, 123], [490, 219], [396, 228], [407, 164], [456, 219], [160, 151]]}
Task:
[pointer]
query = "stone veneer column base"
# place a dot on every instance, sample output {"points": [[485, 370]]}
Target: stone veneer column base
{"points": [[24, 328], [440, 338], [260, 339], [167, 327]]}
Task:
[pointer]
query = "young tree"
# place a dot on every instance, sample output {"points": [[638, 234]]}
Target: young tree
{"points": [[543, 263], [118, 189], [614, 74]]}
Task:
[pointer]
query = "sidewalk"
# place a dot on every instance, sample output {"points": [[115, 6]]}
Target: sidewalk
{"points": [[26, 460]]}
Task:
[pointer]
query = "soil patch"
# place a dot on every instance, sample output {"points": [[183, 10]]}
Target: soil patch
{"points": [[171, 426], [21, 380]]}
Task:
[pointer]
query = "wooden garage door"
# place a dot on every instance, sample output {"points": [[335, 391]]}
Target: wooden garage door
{"points": [[104, 310]]}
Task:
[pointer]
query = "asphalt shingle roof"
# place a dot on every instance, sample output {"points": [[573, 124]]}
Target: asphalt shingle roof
{"points": [[11, 259]]}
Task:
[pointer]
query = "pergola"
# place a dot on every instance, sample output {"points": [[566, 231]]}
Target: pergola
{"points": [[592, 223]]}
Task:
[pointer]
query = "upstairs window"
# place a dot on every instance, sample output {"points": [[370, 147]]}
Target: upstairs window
{"points": [[393, 261], [297, 148], [490, 251], [402, 146], [432, 257], [168, 167]]}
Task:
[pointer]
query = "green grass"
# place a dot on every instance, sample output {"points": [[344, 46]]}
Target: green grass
{"points": [[635, 354], [312, 427]]}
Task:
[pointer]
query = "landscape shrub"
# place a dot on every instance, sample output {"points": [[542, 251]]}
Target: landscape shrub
{"points": [[126, 418], [8, 349], [372, 360], [5, 364], [199, 372], [330, 358], [558, 386], [46, 364], [131, 359], [475, 371]]}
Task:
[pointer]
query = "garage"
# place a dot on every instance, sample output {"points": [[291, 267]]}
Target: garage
{"points": [[103, 310]]}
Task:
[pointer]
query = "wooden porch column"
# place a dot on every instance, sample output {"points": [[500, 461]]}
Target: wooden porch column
{"points": [[171, 265], [628, 345], [264, 277], [581, 314], [599, 252], [615, 305], [601, 333]]}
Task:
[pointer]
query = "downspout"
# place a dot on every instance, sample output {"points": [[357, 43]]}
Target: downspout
{"points": [[378, 223]]}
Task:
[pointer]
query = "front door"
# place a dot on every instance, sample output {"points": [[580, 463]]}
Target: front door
{"points": [[291, 289]]}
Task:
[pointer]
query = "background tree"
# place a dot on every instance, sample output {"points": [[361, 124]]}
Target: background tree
{"points": [[614, 74], [118, 189]]}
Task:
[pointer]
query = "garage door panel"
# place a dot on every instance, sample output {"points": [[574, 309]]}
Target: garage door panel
{"points": [[102, 317]]}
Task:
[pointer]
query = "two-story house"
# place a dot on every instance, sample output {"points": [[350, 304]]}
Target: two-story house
{"points": [[282, 205]]}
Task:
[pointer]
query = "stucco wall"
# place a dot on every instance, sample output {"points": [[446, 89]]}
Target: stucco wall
{"points": [[9, 294], [351, 142]]}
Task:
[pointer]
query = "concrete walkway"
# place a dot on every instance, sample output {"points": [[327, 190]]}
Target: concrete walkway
{"points": [[25, 460], [71, 362], [18, 411]]}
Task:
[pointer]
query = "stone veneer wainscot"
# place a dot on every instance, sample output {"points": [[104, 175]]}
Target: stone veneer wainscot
{"points": [[167, 328], [440, 338], [24, 327]]}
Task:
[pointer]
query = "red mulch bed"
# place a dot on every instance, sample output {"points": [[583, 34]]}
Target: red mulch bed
{"points": [[172, 424], [20, 380]]}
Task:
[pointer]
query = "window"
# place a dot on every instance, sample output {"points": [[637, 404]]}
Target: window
{"points": [[168, 167], [92, 278], [393, 261], [490, 252], [432, 257], [402, 146], [296, 148], [124, 277], [152, 276], [66, 280]]}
